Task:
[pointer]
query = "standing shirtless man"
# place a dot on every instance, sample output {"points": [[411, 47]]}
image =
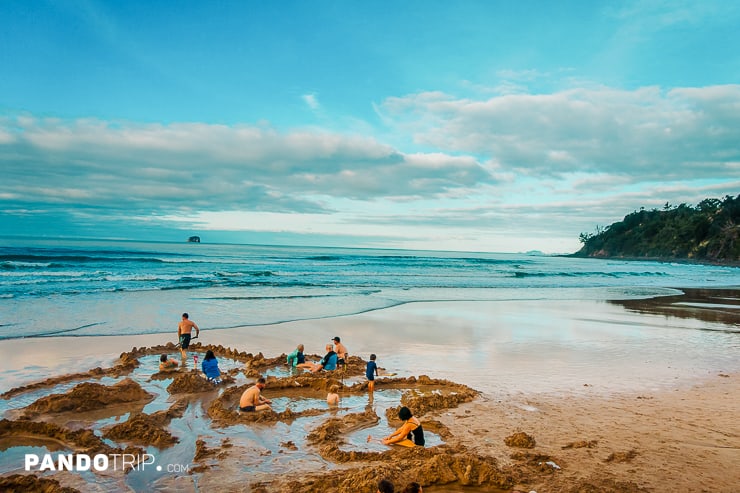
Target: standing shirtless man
{"points": [[184, 329]]}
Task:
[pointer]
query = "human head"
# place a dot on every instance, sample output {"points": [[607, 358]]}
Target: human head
{"points": [[163, 358], [329, 347], [385, 486], [261, 382], [372, 357], [210, 355], [300, 347], [184, 315], [334, 389], [413, 488], [404, 414], [336, 339]]}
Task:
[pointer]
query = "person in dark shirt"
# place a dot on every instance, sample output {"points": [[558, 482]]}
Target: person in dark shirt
{"points": [[409, 434], [370, 372]]}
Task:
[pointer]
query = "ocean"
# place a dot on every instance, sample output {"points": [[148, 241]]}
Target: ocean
{"points": [[93, 287]]}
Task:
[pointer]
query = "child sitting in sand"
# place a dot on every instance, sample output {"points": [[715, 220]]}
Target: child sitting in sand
{"points": [[166, 364], [210, 367], [332, 398]]}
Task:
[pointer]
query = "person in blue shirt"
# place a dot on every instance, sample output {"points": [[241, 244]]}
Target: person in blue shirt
{"points": [[328, 362], [370, 372], [210, 367]]}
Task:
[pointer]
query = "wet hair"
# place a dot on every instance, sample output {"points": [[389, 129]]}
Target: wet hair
{"points": [[210, 355], [372, 357], [261, 380], [334, 388], [184, 315], [412, 488], [404, 414], [385, 486], [163, 358]]}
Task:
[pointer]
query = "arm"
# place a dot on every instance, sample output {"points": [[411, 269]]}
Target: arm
{"points": [[400, 434], [197, 330]]}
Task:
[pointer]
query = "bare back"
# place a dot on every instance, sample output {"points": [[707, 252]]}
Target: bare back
{"points": [[250, 397], [186, 326]]}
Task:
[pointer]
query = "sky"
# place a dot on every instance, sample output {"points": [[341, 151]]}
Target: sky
{"points": [[494, 126]]}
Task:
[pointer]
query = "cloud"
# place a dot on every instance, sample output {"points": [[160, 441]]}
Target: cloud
{"points": [[485, 174], [189, 166], [311, 100], [644, 134]]}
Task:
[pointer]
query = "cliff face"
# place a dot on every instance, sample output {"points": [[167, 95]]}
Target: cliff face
{"points": [[708, 232]]}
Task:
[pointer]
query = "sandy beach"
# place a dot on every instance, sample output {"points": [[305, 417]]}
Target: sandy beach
{"points": [[599, 412]]}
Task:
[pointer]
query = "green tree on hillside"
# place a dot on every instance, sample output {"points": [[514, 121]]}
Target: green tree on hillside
{"points": [[707, 232]]}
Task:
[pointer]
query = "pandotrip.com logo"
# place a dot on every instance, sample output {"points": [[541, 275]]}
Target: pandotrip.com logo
{"points": [[98, 462]]}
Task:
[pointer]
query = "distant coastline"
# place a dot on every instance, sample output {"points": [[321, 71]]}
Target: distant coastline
{"points": [[708, 233], [666, 260]]}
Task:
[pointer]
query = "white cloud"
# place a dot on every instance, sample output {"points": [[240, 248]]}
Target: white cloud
{"points": [[518, 169], [311, 100], [214, 167], [644, 134]]}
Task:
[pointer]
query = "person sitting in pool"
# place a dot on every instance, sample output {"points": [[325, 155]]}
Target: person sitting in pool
{"points": [[328, 362], [210, 367], [332, 398], [409, 434], [166, 364], [252, 399], [296, 357]]}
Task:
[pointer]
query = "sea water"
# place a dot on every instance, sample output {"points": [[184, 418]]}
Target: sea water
{"points": [[92, 287]]}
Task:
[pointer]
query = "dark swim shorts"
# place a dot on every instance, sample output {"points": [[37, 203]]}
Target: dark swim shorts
{"points": [[247, 408], [184, 340]]}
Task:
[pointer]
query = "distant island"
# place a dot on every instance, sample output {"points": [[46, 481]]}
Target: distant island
{"points": [[707, 232]]}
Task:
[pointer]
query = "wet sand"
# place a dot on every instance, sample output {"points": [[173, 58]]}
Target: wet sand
{"points": [[652, 419]]}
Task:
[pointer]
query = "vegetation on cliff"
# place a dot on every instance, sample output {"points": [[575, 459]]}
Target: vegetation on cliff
{"points": [[707, 232]]}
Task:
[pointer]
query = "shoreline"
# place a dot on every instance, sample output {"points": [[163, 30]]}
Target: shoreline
{"points": [[606, 396], [401, 337]]}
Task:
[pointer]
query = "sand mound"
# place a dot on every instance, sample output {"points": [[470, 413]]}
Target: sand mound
{"points": [[148, 429], [89, 396], [193, 382], [621, 456], [435, 466], [81, 440], [520, 440], [18, 483]]}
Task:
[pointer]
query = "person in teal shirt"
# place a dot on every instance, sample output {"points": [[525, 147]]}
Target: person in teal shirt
{"points": [[296, 357]]}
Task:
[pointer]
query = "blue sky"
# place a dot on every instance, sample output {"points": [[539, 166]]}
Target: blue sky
{"points": [[477, 125]]}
